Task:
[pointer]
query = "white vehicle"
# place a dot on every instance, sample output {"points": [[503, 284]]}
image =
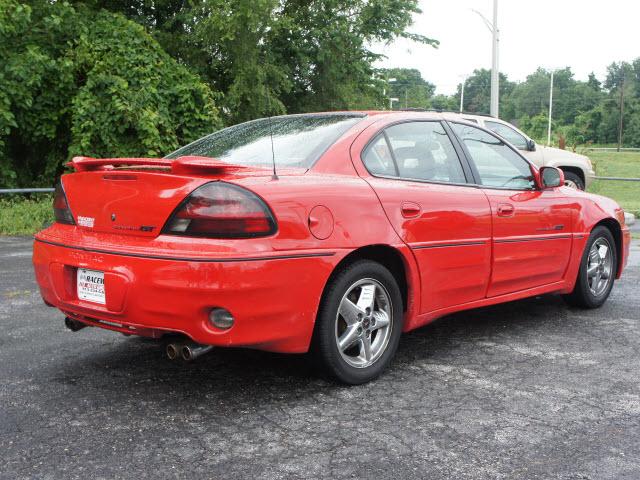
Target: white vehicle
{"points": [[578, 170]]}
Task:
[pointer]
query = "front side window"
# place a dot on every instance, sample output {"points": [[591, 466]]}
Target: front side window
{"points": [[418, 150], [497, 164], [298, 140], [508, 133]]}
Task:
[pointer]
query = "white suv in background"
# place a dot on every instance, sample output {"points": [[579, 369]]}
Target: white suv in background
{"points": [[578, 171]]}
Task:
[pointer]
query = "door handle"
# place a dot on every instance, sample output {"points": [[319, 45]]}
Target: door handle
{"points": [[506, 210], [410, 209]]}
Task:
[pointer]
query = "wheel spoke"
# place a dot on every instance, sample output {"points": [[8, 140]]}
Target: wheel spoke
{"points": [[366, 348], [367, 296], [592, 270], [596, 282], [348, 338], [381, 318], [350, 311]]}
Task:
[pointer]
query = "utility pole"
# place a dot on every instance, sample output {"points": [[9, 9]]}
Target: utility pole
{"points": [[550, 109], [621, 110], [495, 73], [464, 80]]}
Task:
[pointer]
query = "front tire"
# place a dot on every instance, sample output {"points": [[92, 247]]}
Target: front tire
{"points": [[597, 272], [359, 323], [573, 180]]}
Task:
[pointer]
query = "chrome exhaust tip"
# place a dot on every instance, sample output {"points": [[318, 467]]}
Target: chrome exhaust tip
{"points": [[173, 351], [191, 351], [74, 325]]}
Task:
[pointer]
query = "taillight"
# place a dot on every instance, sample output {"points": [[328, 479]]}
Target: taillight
{"points": [[61, 210], [221, 210]]}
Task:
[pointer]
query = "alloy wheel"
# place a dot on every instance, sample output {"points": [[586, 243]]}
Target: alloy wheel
{"points": [[364, 323], [600, 266]]}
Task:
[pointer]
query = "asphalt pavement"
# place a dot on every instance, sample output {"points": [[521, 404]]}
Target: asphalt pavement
{"points": [[530, 389]]}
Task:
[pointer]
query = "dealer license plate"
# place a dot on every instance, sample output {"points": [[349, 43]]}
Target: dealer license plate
{"points": [[90, 285]]}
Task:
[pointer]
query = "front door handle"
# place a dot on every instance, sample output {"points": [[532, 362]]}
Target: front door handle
{"points": [[410, 209], [506, 210]]}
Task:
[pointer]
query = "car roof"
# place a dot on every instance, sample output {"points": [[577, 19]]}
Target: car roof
{"points": [[474, 116]]}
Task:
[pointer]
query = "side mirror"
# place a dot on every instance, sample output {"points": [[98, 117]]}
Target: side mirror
{"points": [[551, 177], [531, 145]]}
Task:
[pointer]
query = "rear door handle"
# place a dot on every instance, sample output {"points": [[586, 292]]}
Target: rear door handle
{"points": [[506, 210], [410, 209]]}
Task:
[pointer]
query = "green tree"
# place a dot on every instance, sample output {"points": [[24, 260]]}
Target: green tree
{"points": [[477, 92], [570, 97], [409, 87], [73, 81], [444, 102], [272, 56]]}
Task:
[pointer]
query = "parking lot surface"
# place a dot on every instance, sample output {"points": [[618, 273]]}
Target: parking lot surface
{"points": [[529, 389]]}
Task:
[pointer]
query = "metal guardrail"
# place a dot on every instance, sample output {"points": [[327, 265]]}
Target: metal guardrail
{"points": [[26, 190], [621, 179], [613, 149]]}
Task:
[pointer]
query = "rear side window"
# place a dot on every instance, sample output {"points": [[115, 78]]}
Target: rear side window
{"points": [[508, 133], [497, 164], [415, 150], [298, 140], [378, 158]]}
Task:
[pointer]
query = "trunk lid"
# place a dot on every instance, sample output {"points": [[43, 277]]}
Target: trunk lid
{"points": [[135, 196]]}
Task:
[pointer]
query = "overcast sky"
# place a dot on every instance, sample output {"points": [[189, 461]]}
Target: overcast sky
{"points": [[586, 35]]}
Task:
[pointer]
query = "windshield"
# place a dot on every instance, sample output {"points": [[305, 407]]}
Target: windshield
{"points": [[298, 140]]}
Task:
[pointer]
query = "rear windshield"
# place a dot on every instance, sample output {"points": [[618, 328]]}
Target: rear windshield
{"points": [[298, 140]]}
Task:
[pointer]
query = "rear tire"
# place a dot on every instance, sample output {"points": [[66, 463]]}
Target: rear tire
{"points": [[359, 323], [573, 180], [598, 268]]}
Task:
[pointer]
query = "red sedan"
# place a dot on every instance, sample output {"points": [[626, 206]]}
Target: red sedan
{"points": [[330, 233]]}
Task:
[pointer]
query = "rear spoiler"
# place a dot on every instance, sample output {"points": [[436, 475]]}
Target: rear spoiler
{"points": [[181, 165]]}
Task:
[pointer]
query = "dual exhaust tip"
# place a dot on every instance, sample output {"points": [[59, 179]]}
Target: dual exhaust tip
{"points": [[187, 351]]}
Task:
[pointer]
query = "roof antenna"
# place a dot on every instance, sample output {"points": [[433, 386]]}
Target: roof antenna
{"points": [[273, 152]]}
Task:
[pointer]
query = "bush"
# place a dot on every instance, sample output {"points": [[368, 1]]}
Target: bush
{"points": [[73, 81], [25, 216]]}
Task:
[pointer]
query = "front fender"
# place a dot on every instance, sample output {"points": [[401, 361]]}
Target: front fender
{"points": [[597, 210]]}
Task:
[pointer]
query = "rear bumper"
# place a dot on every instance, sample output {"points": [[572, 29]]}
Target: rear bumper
{"points": [[273, 299]]}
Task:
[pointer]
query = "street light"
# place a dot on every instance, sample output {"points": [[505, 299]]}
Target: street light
{"points": [[384, 93], [495, 75]]}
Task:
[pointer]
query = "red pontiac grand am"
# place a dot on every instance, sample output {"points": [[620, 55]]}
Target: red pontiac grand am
{"points": [[331, 233]]}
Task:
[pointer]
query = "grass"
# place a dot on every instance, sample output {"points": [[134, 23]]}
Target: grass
{"points": [[25, 216], [614, 164]]}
